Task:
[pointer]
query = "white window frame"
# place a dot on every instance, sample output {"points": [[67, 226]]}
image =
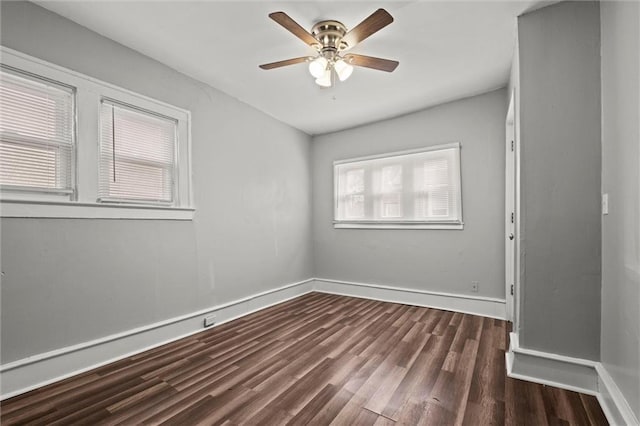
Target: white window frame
{"points": [[397, 224], [49, 193], [174, 190], [84, 202]]}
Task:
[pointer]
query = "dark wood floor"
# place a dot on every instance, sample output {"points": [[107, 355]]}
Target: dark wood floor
{"points": [[317, 359]]}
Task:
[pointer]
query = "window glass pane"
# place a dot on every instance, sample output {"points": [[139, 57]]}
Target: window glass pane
{"points": [[36, 133], [391, 192], [354, 194], [137, 155], [355, 206], [355, 181]]}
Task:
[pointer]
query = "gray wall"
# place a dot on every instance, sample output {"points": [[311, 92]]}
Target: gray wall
{"points": [[560, 175], [69, 281], [438, 260], [621, 180]]}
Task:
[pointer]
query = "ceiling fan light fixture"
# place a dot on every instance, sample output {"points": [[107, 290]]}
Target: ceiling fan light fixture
{"points": [[329, 38], [343, 69], [318, 67], [325, 79]]}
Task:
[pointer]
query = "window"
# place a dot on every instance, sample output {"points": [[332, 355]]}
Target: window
{"points": [[73, 146], [137, 150], [36, 134], [410, 189]]}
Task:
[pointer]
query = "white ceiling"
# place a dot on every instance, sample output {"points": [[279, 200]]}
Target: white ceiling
{"points": [[447, 50]]}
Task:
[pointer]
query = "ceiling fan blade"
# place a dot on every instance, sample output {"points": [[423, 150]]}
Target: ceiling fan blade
{"points": [[371, 62], [293, 27], [374, 23], [284, 63]]}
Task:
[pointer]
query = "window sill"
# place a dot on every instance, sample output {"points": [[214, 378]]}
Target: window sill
{"points": [[74, 210], [397, 225]]}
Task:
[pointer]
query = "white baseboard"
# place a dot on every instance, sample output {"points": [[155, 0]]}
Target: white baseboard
{"points": [[477, 305], [561, 371], [612, 401], [575, 374], [33, 372]]}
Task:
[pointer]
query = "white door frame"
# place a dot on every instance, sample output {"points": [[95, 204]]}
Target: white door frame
{"points": [[511, 212]]}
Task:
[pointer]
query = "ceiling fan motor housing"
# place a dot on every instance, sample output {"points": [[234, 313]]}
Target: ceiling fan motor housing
{"points": [[329, 34]]}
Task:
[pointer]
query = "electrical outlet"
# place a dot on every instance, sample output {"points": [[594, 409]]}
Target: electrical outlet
{"points": [[474, 286], [605, 203], [209, 321]]}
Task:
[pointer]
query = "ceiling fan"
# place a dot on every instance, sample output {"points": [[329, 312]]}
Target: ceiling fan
{"points": [[330, 39]]}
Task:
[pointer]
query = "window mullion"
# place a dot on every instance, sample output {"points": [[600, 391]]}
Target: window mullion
{"points": [[88, 123]]}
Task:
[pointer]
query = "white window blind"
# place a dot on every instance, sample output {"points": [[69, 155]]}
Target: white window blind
{"points": [[137, 155], [36, 133], [410, 187]]}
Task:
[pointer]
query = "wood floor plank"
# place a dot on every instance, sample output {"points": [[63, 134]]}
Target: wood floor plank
{"points": [[385, 389], [227, 403], [193, 412], [316, 359], [351, 412], [43, 395], [593, 410], [421, 377], [487, 412], [242, 414], [314, 406], [362, 417], [331, 409], [158, 413], [73, 410], [142, 407], [381, 421]]}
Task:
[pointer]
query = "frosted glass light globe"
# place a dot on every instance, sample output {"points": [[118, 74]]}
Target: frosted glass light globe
{"points": [[318, 66], [343, 69], [325, 79]]}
